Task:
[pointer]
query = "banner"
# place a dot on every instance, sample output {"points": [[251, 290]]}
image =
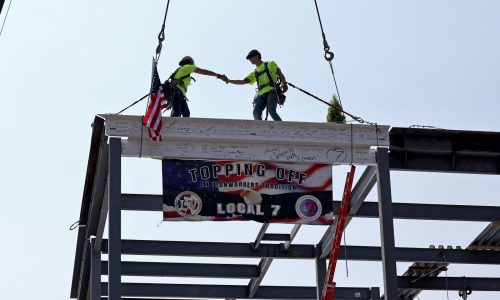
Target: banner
{"points": [[197, 190]]}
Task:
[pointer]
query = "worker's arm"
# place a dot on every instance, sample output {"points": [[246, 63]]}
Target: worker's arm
{"points": [[284, 85], [239, 82], [210, 73]]}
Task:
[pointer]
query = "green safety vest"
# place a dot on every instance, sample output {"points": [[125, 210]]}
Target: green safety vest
{"points": [[265, 83]]}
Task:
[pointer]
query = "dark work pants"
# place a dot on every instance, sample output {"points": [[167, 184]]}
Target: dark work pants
{"points": [[270, 100], [180, 107]]}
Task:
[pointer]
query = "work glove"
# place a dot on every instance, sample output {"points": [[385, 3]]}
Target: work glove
{"points": [[284, 87], [222, 77]]}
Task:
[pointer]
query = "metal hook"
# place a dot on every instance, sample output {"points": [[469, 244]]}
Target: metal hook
{"points": [[161, 35], [329, 55]]}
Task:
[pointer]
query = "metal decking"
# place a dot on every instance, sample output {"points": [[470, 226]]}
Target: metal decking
{"points": [[410, 149], [488, 239]]}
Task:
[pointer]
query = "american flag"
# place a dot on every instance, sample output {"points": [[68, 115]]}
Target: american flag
{"points": [[158, 101]]}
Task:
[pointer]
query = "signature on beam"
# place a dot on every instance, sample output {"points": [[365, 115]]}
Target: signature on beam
{"points": [[279, 154], [184, 148], [336, 154]]}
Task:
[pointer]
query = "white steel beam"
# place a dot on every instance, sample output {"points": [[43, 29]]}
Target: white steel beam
{"points": [[229, 130], [196, 138], [247, 151]]}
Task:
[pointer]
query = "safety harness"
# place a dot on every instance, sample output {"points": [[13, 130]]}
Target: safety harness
{"points": [[275, 85], [173, 82], [271, 83]]}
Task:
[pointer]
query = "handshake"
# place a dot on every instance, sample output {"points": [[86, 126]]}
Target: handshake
{"points": [[223, 77]]}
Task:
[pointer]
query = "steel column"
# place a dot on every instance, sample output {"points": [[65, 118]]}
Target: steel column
{"points": [[91, 201], [114, 224], [320, 276], [375, 293], [102, 220], [95, 271], [83, 285], [386, 224]]}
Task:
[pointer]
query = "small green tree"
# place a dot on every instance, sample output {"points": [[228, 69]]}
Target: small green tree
{"points": [[334, 113]]}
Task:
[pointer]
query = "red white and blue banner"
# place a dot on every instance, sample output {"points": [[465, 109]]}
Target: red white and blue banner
{"points": [[197, 190]]}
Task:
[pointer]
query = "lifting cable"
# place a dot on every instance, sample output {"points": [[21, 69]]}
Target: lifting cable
{"points": [[355, 118], [6, 15], [161, 35], [328, 53], [161, 38], [328, 57]]}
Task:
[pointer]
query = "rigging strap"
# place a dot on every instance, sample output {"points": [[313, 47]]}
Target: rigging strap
{"points": [[137, 101], [355, 118]]}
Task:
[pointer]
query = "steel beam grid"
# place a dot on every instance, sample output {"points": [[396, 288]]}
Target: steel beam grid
{"points": [[254, 284], [265, 263], [488, 239], [301, 251], [159, 269], [450, 283], [213, 249], [411, 149], [417, 271], [439, 150], [410, 211], [233, 291]]}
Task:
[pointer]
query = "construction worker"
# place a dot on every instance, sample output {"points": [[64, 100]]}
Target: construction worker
{"points": [[267, 95], [181, 79]]}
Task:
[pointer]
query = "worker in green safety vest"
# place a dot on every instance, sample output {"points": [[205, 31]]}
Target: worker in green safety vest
{"points": [[266, 75], [179, 82]]}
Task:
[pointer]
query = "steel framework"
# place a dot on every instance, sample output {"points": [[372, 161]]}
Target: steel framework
{"points": [[409, 149]]}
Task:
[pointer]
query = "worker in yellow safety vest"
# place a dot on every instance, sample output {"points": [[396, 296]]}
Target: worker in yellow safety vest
{"points": [[266, 75], [179, 82]]}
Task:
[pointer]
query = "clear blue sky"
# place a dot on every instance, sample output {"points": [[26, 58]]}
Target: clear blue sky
{"points": [[398, 63]]}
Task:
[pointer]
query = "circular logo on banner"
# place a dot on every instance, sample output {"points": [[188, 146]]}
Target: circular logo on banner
{"points": [[187, 204], [308, 207]]}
